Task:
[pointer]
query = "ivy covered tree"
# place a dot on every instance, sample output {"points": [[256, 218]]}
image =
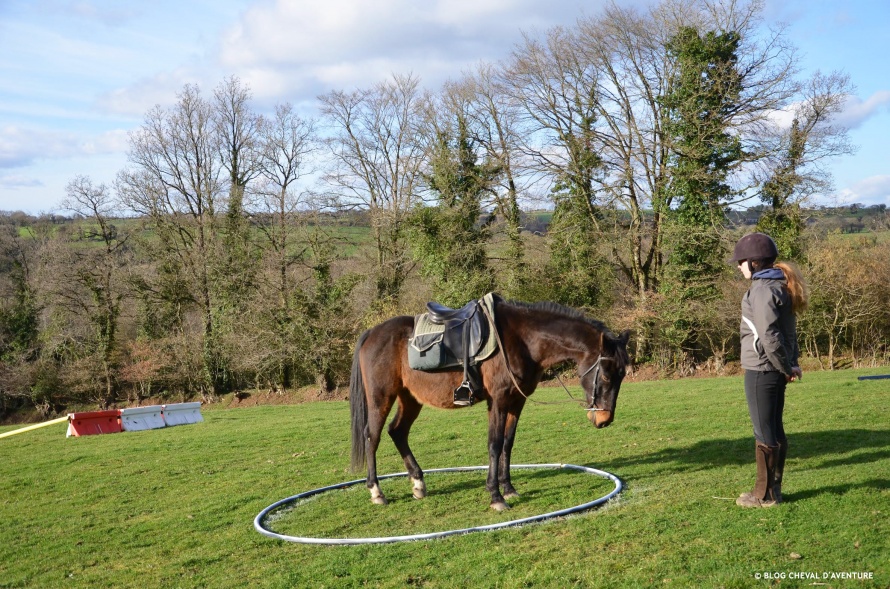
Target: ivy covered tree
{"points": [[576, 269], [795, 172], [783, 220], [449, 240], [703, 93], [19, 309], [702, 96]]}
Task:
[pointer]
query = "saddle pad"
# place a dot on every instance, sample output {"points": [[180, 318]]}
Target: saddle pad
{"points": [[491, 344]]}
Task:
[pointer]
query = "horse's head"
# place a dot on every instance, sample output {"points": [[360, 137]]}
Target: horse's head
{"points": [[601, 376]]}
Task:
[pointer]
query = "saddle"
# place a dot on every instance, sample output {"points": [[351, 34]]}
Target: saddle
{"points": [[445, 338]]}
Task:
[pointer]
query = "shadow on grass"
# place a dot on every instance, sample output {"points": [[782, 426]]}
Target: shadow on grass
{"points": [[818, 450], [876, 484], [532, 484]]}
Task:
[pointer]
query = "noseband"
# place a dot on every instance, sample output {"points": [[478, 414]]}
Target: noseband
{"points": [[596, 380]]}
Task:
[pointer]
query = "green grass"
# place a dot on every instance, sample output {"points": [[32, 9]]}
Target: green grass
{"points": [[175, 507]]}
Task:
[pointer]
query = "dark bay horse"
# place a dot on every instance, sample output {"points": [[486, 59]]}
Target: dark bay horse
{"points": [[533, 338]]}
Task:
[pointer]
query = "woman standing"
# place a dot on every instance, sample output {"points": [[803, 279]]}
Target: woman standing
{"points": [[769, 356]]}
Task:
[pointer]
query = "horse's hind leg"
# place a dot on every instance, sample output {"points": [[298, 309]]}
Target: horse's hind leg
{"points": [[399, 428], [378, 408]]}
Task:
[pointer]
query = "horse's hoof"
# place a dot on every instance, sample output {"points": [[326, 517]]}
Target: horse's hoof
{"points": [[500, 506], [511, 495], [419, 489], [419, 493], [381, 500]]}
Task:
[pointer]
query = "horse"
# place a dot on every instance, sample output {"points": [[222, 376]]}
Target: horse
{"points": [[531, 338]]}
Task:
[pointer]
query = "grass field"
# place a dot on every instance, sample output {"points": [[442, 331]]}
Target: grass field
{"points": [[175, 507]]}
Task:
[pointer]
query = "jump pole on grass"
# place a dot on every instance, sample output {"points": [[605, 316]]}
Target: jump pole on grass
{"points": [[35, 426], [879, 377]]}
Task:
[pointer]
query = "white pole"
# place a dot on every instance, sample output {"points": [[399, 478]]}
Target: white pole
{"points": [[35, 426]]}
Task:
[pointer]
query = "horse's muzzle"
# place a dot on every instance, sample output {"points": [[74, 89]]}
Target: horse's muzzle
{"points": [[600, 418]]}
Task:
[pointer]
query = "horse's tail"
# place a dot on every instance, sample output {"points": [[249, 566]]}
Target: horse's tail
{"points": [[358, 406]]}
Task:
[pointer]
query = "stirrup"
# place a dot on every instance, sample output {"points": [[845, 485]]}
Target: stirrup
{"points": [[463, 395]]}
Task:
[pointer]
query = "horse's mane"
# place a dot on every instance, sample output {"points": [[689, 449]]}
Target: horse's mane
{"points": [[562, 311], [569, 313]]}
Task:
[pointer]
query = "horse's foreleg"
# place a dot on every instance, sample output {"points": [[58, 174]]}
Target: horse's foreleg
{"points": [[497, 418], [506, 453], [399, 428]]}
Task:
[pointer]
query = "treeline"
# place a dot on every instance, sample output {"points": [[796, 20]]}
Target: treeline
{"points": [[227, 255]]}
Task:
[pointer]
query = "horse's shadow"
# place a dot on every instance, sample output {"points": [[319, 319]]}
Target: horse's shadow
{"points": [[545, 486], [819, 450]]}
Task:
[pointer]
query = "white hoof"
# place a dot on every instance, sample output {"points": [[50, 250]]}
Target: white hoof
{"points": [[500, 506], [377, 497], [419, 488]]}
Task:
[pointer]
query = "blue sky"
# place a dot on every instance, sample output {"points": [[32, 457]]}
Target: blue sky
{"points": [[77, 75]]}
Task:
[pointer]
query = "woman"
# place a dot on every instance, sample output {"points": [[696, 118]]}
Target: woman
{"points": [[769, 356]]}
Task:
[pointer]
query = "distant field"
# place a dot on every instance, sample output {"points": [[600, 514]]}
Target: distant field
{"points": [[174, 507]]}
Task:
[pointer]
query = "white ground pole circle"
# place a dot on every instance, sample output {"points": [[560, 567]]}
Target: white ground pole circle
{"points": [[258, 521]]}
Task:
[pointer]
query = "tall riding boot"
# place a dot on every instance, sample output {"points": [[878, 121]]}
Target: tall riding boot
{"points": [[780, 470], [762, 494]]}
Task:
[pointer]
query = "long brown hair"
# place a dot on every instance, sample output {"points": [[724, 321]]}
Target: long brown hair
{"points": [[796, 285]]}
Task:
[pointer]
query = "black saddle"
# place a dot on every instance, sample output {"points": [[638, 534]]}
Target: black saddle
{"points": [[440, 313], [466, 330]]}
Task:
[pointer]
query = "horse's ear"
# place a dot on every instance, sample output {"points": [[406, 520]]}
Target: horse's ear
{"points": [[624, 338]]}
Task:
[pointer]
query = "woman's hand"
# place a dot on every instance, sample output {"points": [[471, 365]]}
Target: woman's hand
{"points": [[796, 374]]}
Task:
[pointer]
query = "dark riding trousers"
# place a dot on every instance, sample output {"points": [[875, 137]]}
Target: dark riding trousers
{"points": [[765, 392]]}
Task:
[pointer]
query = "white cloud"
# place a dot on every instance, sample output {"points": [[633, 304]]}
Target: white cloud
{"points": [[313, 47], [138, 98], [13, 181], [20, 147], [872, 190], [116, 141], [856, 111]]}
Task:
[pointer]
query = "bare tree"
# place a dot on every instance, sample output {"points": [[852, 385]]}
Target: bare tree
{"points": [[174, 182], [378, 151], [237, 131], [99, 272], [554, 87], [287, 143], [493, 123], [629, 49], [795, 170]]}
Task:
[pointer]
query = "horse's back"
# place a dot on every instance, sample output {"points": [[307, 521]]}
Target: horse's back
{"points": [[392, 333], [382, 352], [384, 360]]}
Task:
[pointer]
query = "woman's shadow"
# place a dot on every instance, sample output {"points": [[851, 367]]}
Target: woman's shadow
{"points": [[821, 449]]}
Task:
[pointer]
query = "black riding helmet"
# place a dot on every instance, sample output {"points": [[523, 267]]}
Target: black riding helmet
{"points": [[755, 246]]}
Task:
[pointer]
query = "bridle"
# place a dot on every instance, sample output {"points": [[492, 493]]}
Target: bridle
{"points": [[594, 366], [596, 381]]}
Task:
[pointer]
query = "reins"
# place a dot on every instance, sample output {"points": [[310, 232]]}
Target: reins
{"points": [[595, 365]]}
